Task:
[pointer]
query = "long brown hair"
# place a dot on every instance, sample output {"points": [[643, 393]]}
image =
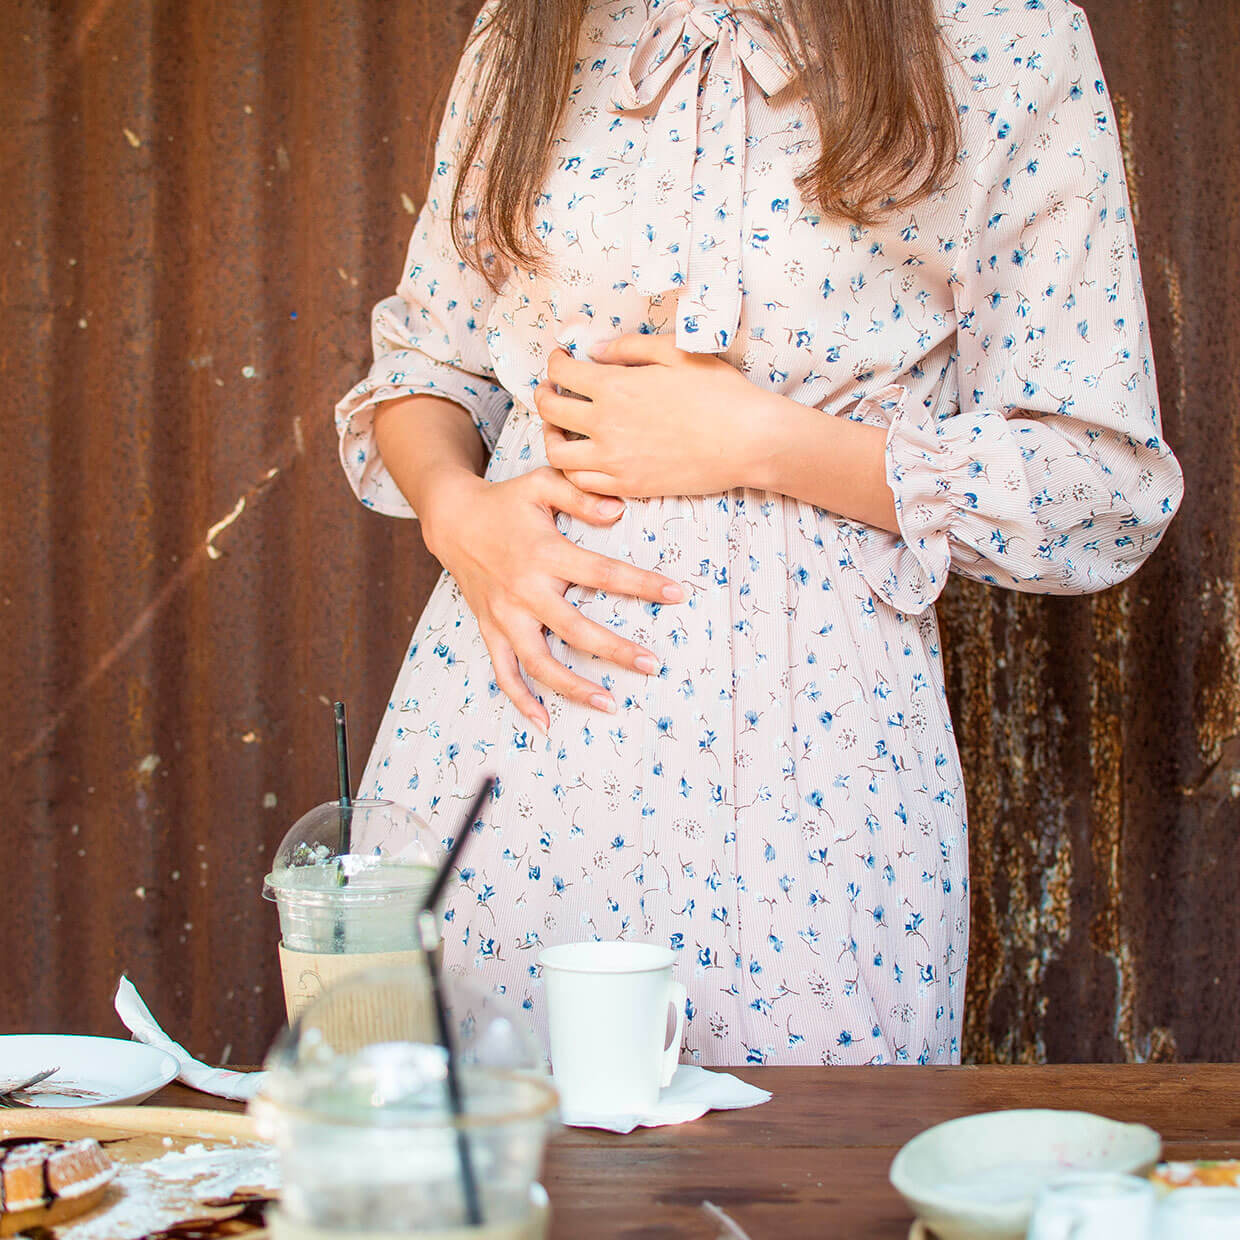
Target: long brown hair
{"points": [[873, 71]]}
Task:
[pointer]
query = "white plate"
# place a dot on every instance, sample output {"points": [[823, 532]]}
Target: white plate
{"points": [[93, 1071], [975, 1178]]}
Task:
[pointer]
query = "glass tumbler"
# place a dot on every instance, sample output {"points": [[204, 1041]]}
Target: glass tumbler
{"points": [[369, 1137]]}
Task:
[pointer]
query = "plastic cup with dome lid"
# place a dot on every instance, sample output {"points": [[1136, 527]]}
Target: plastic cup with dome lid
{"points": [[364, 899], [347, 908]]}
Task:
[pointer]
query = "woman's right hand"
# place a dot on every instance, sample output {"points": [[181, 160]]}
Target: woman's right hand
{"points": [[500, 542]]}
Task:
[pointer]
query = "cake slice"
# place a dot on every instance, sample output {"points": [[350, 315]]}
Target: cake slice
{"points": [[45, 1182]]}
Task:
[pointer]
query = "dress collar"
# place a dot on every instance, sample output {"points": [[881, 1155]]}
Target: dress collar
{"points": [[684, 73], [675, 29]]}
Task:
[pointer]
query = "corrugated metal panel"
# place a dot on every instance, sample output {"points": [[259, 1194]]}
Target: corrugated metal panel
{"points": [[203, 201]]}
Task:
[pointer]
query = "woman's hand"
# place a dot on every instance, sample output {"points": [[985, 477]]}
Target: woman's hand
{"points": [[659, 421], [499, 541]]}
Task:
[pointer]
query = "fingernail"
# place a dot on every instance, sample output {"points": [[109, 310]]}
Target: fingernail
{"points": [[673, 593], [603, 702], [539, 726], [646, 663], [597, 350], [610, 507]]}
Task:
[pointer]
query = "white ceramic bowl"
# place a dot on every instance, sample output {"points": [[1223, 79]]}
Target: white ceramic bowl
{"points": [[975, 1178], [92, 1071]]}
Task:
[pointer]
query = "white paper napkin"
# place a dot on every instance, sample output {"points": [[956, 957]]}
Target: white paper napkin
{"points": [[692, 1093], [137, 1018]]}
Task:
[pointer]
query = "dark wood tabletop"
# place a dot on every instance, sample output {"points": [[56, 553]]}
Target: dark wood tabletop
{"points": [[812, 1162]]}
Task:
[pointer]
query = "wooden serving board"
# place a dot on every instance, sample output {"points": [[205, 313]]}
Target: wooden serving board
{"points": [[140, 1201]]}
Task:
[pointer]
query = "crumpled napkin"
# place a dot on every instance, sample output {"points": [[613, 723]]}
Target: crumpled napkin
{"points": [[692, 1093], [137, 1018]]}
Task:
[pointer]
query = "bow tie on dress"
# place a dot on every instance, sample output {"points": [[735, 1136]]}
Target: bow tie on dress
{"points": [[690, 185]]}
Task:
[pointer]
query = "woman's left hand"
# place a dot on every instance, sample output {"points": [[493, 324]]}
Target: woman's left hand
{"points": [[659, 421]]}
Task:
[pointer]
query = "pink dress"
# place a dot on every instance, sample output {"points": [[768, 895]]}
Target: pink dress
{"points": [[782, 805]]}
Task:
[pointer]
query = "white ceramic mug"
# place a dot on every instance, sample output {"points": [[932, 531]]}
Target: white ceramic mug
{"points": [[607, 1009]]}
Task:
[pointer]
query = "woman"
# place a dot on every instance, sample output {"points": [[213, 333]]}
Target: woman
{"points": [[758, 353]]}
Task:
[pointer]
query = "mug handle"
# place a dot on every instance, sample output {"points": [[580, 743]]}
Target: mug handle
{"points": [[671, 1055]]}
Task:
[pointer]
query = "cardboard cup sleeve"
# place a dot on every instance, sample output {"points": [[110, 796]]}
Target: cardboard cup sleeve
{"points": [[357, 1018]]}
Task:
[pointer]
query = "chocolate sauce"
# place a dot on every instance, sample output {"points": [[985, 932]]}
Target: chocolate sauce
{"points": [[242, 1196], [248, 1218]]}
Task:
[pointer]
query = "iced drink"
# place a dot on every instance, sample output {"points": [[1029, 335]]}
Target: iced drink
{"points": [[324, 908], [349, 884]]}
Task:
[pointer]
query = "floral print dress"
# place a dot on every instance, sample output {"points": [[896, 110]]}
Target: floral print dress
{"points": [[782, 804]]}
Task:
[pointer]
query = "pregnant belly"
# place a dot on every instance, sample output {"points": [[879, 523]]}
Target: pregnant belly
{"points": [[663, 534]]}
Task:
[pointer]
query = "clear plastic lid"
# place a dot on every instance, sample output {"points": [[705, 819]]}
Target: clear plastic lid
{"points": [[371, 849], [368, 1052]]}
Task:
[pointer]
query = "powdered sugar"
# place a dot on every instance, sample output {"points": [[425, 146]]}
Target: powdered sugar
{"points": [[219, 1172], [146, 1197]]}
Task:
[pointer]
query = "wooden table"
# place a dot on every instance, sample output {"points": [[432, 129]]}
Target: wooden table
{"points": [[812, 1162]]}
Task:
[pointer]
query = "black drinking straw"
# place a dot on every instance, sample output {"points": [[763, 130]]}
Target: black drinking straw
{"points": [[345, 841], [342, 775], [469, 1182]]}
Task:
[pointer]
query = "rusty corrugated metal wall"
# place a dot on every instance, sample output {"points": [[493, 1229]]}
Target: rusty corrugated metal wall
{"points": [[201, 202]]}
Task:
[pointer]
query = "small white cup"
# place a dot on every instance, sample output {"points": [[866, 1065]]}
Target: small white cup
{"points": [[1095, 1205], [607, 1009], [1198, 1214]]}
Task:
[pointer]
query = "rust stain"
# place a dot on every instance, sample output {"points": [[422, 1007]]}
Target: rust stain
{"points": [[90, 21], [1123, 118], [970, 658], [1009, 723], [1175, 306], [1161, 1046], [1055, 921], [1108, 613], [1218, 705]]}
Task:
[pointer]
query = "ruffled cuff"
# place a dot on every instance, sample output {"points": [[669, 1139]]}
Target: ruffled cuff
{"points": [[408, 373], [907, 570]]}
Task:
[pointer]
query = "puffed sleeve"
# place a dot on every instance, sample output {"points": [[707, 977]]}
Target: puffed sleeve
{"points": [[430, 337], [1052, 474]]}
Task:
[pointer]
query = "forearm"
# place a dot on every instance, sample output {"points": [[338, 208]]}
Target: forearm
{"points": [[830, 462], [430, 447]]}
